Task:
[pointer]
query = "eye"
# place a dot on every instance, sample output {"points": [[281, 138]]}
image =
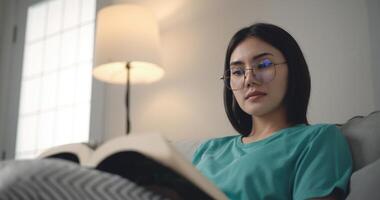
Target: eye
{"points": [[264, 64], [237, 72]]}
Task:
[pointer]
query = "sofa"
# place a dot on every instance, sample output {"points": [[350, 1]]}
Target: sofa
{"points": [[55, 179], [363, 135]]}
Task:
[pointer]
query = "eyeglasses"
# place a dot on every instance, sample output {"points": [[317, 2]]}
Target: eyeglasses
{"points": [[264, 71]]}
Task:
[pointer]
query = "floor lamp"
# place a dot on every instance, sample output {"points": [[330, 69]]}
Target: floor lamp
{"points": [[127, 48]]}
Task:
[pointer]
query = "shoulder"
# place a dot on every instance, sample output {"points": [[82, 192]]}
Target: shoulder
{"points": [[330, 131], [321, 127], [321, 131], [323, 139], [316, 135]]}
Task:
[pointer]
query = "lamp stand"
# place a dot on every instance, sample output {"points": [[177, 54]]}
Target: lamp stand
{"points": [[127, 90]]}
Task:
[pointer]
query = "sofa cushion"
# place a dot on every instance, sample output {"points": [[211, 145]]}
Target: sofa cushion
{"points": [[363, 135]]}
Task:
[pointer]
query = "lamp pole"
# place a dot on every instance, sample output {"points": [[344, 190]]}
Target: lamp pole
{"points": [[127, 90]]}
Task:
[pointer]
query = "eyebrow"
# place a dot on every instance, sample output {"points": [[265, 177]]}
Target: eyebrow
{"points": [[238, 62]]}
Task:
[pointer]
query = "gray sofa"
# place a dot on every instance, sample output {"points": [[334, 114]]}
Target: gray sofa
{"points": [[362, 132]]}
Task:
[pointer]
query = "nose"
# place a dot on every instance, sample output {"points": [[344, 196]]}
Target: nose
{"points": [[250, 78]]}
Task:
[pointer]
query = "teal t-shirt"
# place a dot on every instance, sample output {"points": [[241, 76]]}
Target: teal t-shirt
{"points": [[299, 162]]}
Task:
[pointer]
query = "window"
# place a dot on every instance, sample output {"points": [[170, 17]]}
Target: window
{"points": [[56, 79]]}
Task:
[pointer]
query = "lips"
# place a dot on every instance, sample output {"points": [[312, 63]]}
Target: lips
{"points": [[254, 94]]}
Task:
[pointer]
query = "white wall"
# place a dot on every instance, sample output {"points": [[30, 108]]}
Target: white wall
{"points": [[334, 36]]}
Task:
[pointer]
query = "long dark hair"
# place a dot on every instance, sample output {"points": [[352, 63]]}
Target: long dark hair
{"points": [[297, 95]]}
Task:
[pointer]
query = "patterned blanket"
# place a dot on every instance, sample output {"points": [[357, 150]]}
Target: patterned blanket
{"points": [[61, 180]]}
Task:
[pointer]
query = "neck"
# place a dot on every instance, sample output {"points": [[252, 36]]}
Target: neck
{"points": [[265, 125]]}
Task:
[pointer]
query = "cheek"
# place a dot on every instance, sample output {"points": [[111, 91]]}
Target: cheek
{"points": [[279, 93], [279, 87], [239, 97]]}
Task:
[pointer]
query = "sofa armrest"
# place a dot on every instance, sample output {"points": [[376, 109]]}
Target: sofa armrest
{"points": [[364, 183]]}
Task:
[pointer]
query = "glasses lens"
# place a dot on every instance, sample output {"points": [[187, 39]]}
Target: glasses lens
{"points": [[265, 71], [234, 79], [265, 75]]}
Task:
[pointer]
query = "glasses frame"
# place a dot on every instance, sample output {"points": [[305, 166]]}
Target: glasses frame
{"points": [[224, 78]]}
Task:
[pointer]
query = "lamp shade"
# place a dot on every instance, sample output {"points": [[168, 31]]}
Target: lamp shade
{"points": [[127, 33]]}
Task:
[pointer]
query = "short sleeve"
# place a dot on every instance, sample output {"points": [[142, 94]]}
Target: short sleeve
{"points": [[198, 153], [324, 165]]}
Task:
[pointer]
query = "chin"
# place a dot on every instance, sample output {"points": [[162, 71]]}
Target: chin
{"points": [[256, 111]]}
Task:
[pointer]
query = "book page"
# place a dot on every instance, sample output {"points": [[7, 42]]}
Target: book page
{"points": [[78, 152]]}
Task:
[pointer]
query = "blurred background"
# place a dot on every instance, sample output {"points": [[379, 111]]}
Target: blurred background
{"points": [[48, 96]]}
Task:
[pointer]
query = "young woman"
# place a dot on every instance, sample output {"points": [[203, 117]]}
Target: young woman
{"points": [[278, 154]]}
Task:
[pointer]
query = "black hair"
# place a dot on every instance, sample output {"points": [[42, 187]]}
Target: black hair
{"points": [[297, 94]]}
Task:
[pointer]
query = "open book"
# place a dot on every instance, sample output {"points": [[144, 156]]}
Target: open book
{"points": [[149, 160]]}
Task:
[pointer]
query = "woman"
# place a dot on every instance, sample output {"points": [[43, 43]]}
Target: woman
{"points": [[277, 155]]}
